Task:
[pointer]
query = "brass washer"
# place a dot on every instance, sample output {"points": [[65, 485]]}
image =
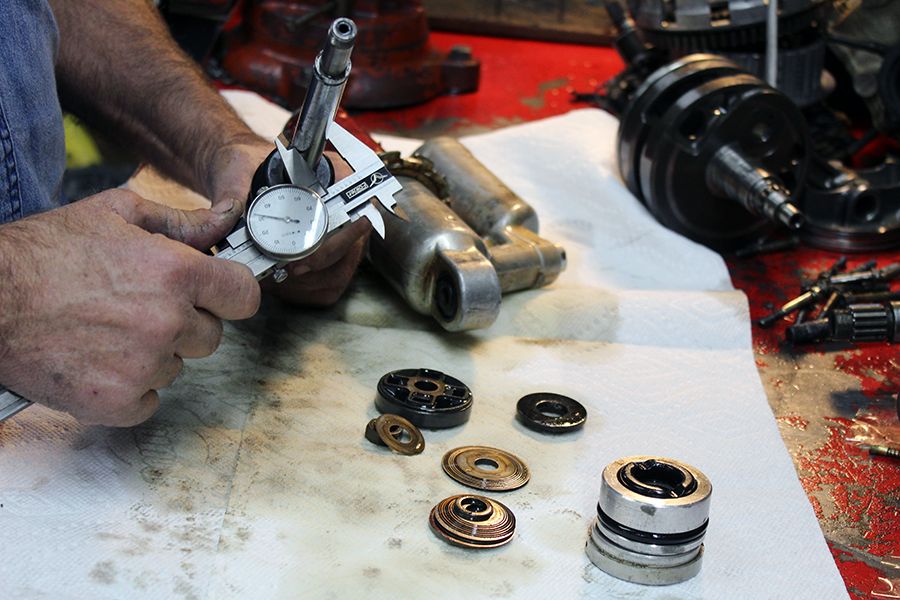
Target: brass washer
{"points": [[462, 464], [387, 430], [473, 521]]}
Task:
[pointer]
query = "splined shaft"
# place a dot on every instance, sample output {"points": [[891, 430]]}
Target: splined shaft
{"points": [[869, 322], [757, 190]]}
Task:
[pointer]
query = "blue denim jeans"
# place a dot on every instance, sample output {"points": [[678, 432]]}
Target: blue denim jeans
{"points": [[32, 143]]}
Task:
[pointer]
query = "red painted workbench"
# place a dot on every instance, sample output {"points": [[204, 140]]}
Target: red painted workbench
{"points": [[819, 395]]}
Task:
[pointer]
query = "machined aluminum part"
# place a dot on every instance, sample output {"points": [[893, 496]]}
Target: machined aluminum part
{"points": [[453, 260], [652, 517], [473, 521], [485, 468], [508, 224], [396, 433], [436, 262], [640, 572]]}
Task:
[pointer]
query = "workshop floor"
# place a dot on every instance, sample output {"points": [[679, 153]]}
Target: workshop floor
{"points": [[820, 396]]}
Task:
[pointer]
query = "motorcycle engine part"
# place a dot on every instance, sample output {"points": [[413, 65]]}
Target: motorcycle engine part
{"points": [[436, 262], [508, 224], [704, 25], [485, 468], [713, 152], [551, 413], [419, 168], [287, 222], [454, 262], [869, 322], [651, 519], [850, 210], [396, 433], [395, 65], [864, 37], [737, 29], [473, 521], [428, 399]]}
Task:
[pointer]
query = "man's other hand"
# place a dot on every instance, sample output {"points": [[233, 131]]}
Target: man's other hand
{"points": [[318, 280], [103, 299], [321, 278]]}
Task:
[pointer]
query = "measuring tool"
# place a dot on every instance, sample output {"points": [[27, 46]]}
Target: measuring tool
{"points": [[294, 204]]}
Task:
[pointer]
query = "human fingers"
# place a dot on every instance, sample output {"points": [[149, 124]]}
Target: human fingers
{"points": [[231, 170], [338, 164], [351, 237], [128, 413], [200, 228], [323, 287], [167, 373], [201, 335], [224, 288]]}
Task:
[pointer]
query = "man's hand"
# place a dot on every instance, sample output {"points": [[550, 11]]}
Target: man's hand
{"points": [[322, 278], [99, 309]]}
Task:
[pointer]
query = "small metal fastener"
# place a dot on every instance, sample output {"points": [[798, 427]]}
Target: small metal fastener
{"points": [[485, 468], [279, 275], [473, 521], [551, 413], [396, 433]]}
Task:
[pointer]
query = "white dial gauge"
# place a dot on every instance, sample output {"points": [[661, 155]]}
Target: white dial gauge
{"points": [[287, 222]]}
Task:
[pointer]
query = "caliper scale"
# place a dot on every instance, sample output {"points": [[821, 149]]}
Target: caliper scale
{"points": [[291, 209]]}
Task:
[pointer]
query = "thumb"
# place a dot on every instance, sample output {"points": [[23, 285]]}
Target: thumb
{"points": [[200, 228]]}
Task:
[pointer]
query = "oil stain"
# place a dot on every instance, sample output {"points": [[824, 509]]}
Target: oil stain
{"points": [[104, 572]]}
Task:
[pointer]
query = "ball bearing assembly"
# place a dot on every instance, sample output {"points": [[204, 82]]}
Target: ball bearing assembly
{"points": [[651, 520]]}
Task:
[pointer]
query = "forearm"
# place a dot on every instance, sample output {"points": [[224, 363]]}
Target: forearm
{"points": [[121, 72], [19, 242]]}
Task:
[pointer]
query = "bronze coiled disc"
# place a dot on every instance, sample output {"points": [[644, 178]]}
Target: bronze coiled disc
{"points": [[485, 468], [473, 521], [396, 433]]}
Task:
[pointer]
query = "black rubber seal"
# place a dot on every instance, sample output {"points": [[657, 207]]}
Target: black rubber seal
{"points": [[648, 537], [428, 399], [547, 412]]}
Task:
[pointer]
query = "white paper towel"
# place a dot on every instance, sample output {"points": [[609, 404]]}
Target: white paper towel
{"points": [[254, 480]]}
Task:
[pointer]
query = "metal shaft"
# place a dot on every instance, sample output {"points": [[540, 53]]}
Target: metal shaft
{"points": [[11, 403], [729, 174], [872, 322], [330, 74]]}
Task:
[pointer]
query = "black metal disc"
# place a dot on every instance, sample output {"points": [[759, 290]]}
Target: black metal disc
{"points": [[764, 125], [654, 96], [427, 398], [551, 413]]}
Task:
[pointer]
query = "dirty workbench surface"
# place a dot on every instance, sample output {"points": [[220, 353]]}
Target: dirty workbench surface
{"points": [[820, 395]]}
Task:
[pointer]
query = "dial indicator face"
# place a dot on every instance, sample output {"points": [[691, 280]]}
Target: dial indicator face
{"points": [[287, 222]]}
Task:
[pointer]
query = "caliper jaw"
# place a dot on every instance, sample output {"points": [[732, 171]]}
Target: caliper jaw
{"points": [[346, 200]]}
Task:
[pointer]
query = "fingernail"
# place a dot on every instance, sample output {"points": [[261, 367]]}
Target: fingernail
{"points": [[223, 207]]}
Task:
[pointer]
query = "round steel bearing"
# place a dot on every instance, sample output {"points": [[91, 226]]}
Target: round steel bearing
{"points": [[652, 517]]}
